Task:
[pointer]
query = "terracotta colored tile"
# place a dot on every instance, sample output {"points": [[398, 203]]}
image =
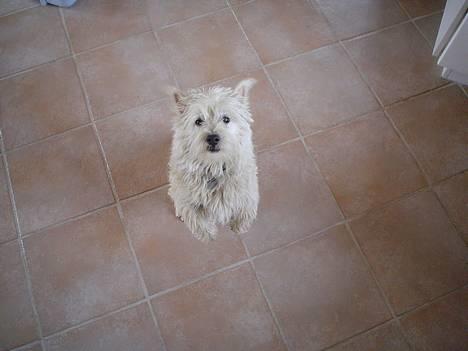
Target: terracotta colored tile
{"points": [[353, 17], [17, 325], [123, 75], [31, 37], [454, 196], [132, 329], [7, 224], [7, 6], [397, 63], [164, 12], [168, 253], [294, 199], [207, 49], [440, 326], [282, 28], [434, 126], [92, 23], [41, 103], [429, 26], [58, 179], [81, 269], [413, 249], [322, 88], [422, 7], [137, 145], [385, 338], [320, 290], [271, 123], [365, 163], [224, 312]]}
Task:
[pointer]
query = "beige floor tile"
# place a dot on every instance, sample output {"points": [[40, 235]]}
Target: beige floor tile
{"points": [[353, 17], [224, 312], [365, 163], [125, 74], [320, 290], [283, 28], [385, 338], [57, 179], [17, 324], [137, 145], [397, 63], [422, 7], [440, 326], [207, 49], [453, 194], [31, 37], [322, 88], [41, 103], [93, 23], [294, 199], [132, 329], [80, 270], [434, 126], [8, 6], [163, 12], [414, 250]]}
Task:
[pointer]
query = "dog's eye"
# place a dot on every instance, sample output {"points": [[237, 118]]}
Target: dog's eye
{"points": [[226, 119], [199, 122]]}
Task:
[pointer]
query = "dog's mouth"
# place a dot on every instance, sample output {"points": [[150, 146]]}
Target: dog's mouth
{"points": [[213, 149]]}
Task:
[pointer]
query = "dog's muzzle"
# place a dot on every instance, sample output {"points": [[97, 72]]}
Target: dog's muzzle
{"points": [[213, 142]]}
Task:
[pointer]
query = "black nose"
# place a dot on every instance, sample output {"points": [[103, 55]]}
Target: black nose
{"points": [[213, 139]]}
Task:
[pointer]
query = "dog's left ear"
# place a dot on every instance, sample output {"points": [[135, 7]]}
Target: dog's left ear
{"points": [[177, 98], [244, 86]]}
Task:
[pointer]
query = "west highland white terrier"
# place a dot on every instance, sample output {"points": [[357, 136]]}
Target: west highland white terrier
{"points": [[212, 169]]}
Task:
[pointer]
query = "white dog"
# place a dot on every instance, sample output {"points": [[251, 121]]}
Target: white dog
{"points": [[212, 169]]}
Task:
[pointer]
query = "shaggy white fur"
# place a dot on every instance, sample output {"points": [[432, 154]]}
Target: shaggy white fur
{"points": [[212, 169]]}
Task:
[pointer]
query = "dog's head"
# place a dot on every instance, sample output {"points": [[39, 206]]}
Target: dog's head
{"points": [[213, 124]]}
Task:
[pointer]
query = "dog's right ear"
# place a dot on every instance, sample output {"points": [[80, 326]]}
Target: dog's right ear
{"points": [[178, 99]]}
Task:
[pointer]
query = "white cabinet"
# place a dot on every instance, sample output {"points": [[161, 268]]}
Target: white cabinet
{"points": [[452, 41]]}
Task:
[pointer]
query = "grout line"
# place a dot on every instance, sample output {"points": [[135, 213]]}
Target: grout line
{"points": [[445, 85], [68, 220], [292, 57], [24, 259], [95, 319], [48, 138], [413, 21], [190, 19], [371, 271], [364, 332], [30, 69], [464, 91], [112, 186], [88, 51], [431, 301], [14, 12], [167, 61], [26, 347]]}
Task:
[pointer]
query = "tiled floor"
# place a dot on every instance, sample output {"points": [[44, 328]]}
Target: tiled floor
{"points": [[361, 238]]}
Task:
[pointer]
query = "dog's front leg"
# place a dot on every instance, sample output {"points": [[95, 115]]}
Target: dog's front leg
{"points": [[201, 227], [241, 222]]}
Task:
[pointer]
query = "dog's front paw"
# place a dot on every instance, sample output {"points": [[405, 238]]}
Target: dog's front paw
{"points": [[240, 227], [205, 235]]}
